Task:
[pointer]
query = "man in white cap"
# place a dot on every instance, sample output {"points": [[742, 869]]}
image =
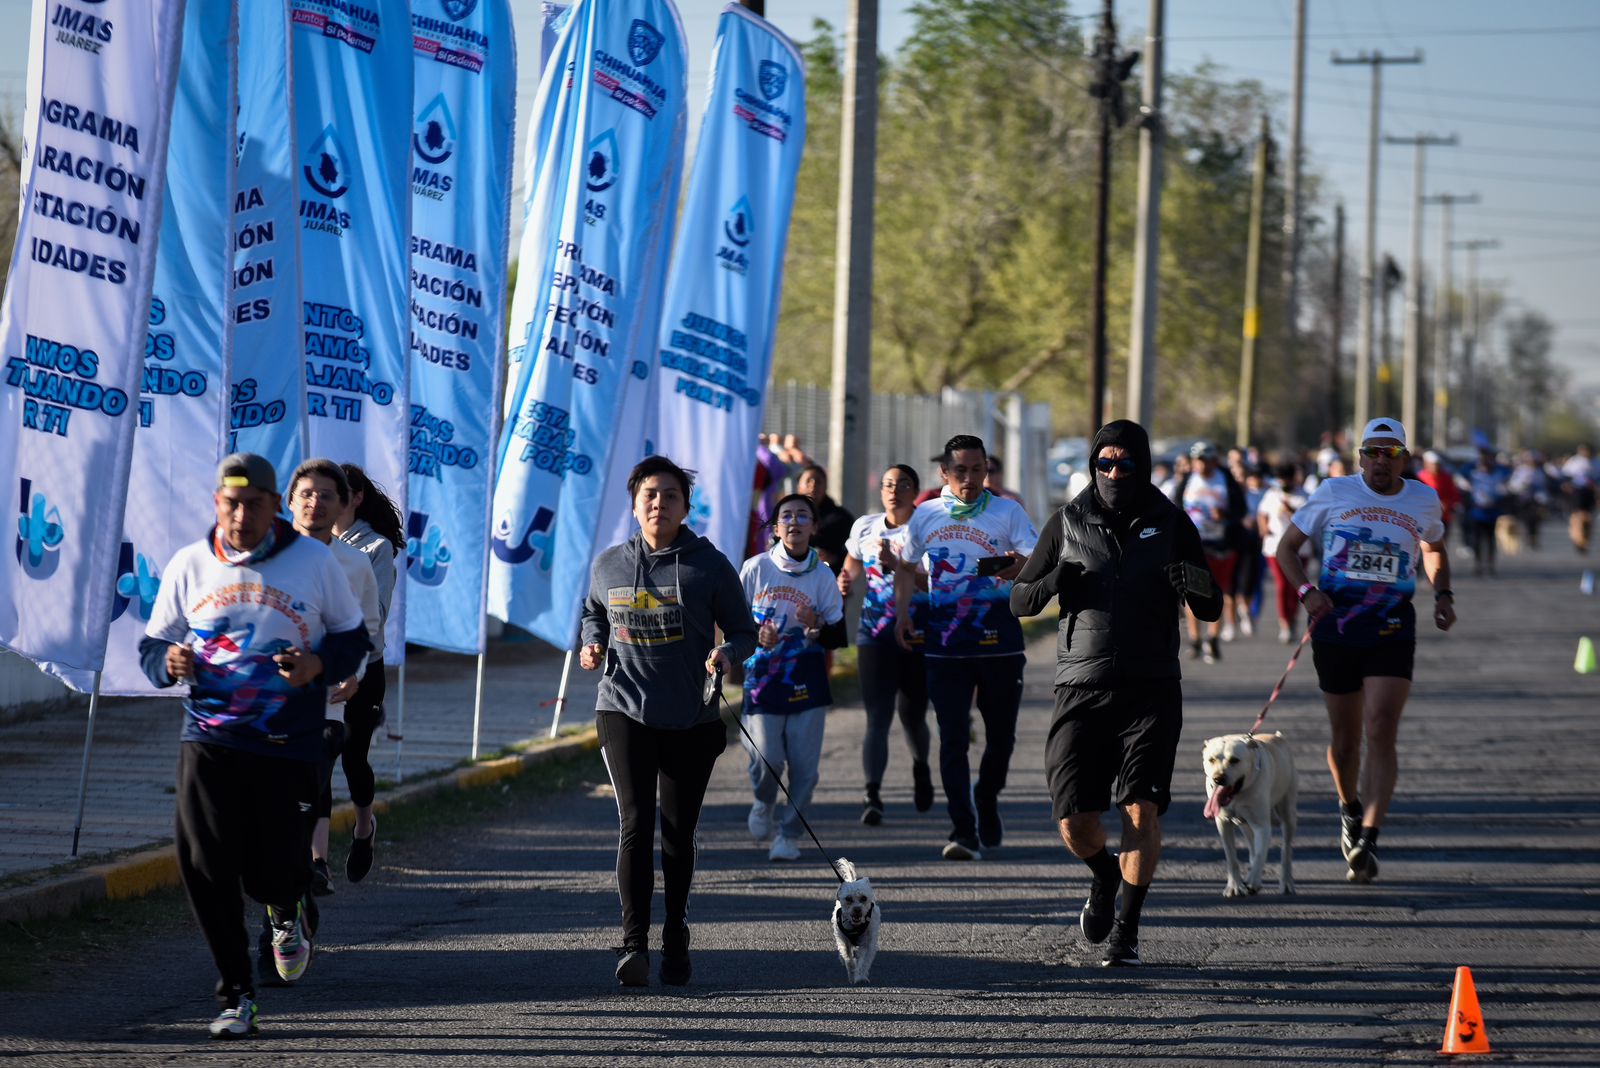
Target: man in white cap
{"points": [[1374, 528]]}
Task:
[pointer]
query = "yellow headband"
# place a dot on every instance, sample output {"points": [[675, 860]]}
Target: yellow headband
{"points": [[235, 481]]}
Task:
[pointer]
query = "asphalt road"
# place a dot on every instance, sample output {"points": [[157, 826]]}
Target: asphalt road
{"points": [[493, 945]]}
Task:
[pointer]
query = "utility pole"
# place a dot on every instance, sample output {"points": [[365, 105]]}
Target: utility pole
{"points": [[1112, 68], [1336, 356], [1413, 326], [1244, 426], [1369, 280], [850, 402], [1440, 434], [1147, 239], [1291, 222], [1469, 342], [1388, 282]]}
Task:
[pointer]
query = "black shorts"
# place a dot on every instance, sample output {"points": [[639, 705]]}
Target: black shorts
{"points": [[1104, 739], [1341, 669]]}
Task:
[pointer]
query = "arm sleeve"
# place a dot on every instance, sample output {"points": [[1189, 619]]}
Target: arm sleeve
{"points": [[1022, 533], [1433, 520], [595, 628], [1035, 585], [732, 613], [912, 548], [830, 606], [1309, 516], [153, 659], [858, 530], [344, 652], [167, 619], [1208, 608], [341, 610], [372, 613], [382, 559]]}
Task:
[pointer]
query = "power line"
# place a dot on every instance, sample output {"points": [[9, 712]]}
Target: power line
{"points": [[1517, 31]]}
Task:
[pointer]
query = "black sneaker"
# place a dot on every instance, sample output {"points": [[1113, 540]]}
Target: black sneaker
{"points": [[962, 847], [1123, 949], [871, 807], [991, 829], [675, 969], [1099, 911], [359, 862], [1213, 651], [1349, 831], [321, 878], [633, 966], [1363, 861], [1194, 650], [921, 785]]}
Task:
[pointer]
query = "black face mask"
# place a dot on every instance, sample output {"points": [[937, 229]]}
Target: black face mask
{"points": [[1120, 494]]}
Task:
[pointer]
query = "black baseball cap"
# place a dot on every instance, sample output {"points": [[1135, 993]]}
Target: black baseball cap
{"points": [[246, 469]]}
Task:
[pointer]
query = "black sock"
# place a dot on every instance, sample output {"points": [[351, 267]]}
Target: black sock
{"points": [[1132, 902], [1369, 836], [1353, 809], [1104, 866]]}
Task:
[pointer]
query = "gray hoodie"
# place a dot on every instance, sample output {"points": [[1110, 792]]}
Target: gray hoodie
{"points": [[654, 613]]}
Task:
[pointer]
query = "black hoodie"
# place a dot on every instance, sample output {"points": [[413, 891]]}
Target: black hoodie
{"points": [[1119, 608]]}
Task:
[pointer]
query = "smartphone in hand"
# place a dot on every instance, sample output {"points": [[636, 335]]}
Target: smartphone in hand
{"points": [[992, 565]]}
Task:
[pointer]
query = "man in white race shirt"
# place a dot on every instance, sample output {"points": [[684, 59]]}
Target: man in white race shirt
{"points": [[970, 544], [1374, 529]]}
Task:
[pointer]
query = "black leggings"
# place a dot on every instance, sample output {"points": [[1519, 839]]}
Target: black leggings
{"points": [[639, 758], [892, 679], [351, 740]]}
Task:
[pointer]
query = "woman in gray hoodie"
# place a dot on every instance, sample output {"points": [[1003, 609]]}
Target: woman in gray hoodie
{"points": [[654, 604]]}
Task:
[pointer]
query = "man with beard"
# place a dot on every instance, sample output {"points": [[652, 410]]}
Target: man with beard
{"points": [[1122, 559]]}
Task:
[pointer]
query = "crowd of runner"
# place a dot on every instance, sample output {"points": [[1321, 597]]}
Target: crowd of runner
{"points": [[276, 625]]}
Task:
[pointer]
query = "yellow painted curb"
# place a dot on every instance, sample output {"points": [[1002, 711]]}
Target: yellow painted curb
{"points": [[141, 874], [488, 771]]}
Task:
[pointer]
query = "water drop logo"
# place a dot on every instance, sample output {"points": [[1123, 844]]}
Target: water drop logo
{"points": [[699, 511], [426, 549], [644, 42], [737, 230], [138, 582], [737, 226], [600, 163], [774, 79], [326, 166], [434, 138], [39, 534], [537, 540]]}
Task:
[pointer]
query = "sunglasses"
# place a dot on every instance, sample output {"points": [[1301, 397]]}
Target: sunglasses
{"points": [[798, 519], [1393, 452], [1125, 465]]}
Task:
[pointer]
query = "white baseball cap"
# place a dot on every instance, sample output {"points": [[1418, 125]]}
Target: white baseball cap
{"points": [[1385, 428]]}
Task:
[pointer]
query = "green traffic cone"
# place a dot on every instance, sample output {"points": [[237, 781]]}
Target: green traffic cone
{"points": [[1585, 664]]}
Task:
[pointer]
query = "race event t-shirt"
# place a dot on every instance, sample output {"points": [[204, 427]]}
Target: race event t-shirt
{"points": [[877, 602], [1204, 499], [236, 619], [1371, 550], [792, 676], [968, 614]]}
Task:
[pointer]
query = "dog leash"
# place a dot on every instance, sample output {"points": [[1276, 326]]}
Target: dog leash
{"points": [[1276, 690], [717, 682]]}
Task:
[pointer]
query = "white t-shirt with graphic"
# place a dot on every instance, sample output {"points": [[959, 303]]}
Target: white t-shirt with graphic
{"points": [[1204, 499], [968, 614], [877, 600], [1371, 554], [792, 676]]}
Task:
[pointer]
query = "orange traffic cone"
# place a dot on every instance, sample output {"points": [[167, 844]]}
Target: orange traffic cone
{"points": [[1464, 1031]]}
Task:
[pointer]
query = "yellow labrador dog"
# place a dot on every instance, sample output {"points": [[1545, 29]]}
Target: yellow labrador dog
{"points": [[1250, 779]]}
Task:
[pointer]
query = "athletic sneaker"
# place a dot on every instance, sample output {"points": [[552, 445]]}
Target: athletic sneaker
{"points": [[921, 785], [991, 829], [1227, 631], [321, 878], [760, 821], [962, 847], [236, 1021], [1285, 634], [675, 969], [1363, 861], [1349, 830], [1247, 626], [1194, 650], [871, 807], [291, 945], [1213, 651], [1122, 951], [1099, 911], [633, 969], [783, 849], [359, 862]]}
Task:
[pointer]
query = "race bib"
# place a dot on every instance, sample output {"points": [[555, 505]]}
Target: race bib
{"points": [[1372, 562]]}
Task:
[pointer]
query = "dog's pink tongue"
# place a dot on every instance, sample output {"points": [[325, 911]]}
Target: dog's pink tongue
{"points": [[1220, 796]]}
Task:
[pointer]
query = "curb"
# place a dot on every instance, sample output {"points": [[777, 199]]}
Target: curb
{"points": [[154, 869]]}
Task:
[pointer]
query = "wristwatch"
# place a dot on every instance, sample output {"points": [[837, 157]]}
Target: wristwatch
{"points": [[1305, 588]]}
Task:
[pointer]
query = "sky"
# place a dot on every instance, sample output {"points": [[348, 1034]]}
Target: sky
{"points": [[1518, 84]]}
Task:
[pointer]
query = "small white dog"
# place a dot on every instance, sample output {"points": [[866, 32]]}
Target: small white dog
{"points": [[856, 921], [1249, 781]]}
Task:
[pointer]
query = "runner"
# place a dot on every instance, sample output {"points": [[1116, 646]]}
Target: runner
{"points": [[1272, 517], [890, 676], [1215, 504], [1579, 474], [795, 602], [253, 617], [970, 544], [1375, 528]]}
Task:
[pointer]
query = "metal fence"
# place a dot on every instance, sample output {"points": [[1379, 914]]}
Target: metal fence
{"points": [[910, 429]]}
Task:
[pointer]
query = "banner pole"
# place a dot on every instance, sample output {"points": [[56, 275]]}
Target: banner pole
{"points": [[83, 773], [561, 694], [477, 706], [400, 727]]}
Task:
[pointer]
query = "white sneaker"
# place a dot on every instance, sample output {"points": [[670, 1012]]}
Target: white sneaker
{"points": [[760, 821], [1285, 635], [1247, 627], [783, 849], [237, 1022], [1227, 631]]}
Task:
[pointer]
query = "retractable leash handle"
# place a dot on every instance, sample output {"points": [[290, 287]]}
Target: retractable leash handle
{"points": [[756, 749]]}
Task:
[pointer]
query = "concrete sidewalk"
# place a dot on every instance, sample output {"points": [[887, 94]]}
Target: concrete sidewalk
{"points": [[130, 802]]}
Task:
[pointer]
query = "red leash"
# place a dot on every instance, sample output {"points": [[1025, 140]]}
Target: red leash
{"points": [[1276, 690]]}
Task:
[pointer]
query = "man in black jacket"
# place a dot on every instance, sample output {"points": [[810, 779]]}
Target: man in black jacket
{"points": [[1122, 559]]}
